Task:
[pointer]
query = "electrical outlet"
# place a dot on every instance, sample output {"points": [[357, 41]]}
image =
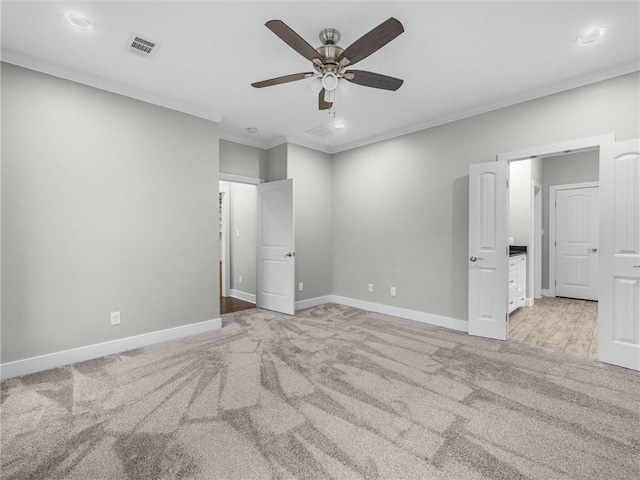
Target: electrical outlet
{"points": [[371, 287], [392, 291], [300, 287], [116, 319], [240, 279]]}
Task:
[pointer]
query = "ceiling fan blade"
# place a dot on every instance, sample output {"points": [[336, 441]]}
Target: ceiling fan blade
{"points": [[322, 105], [370, 42], [374, 80], [285, 79], [294, 40]]}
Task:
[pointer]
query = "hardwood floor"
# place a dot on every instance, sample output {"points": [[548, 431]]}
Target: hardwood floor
{"points": [[230, 305], [563, 324]]}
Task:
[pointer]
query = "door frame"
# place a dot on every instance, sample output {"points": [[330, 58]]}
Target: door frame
{"points": [[535, 240], [225, 256], [552, 227], [225, 237], [557, 149]]}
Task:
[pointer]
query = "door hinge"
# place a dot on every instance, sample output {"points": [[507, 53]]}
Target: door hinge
{"points": [[506, 317], [555, 244], [507, 183], [555, 282], [555, 204]]}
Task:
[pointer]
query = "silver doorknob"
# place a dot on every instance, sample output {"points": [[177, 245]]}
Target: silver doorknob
{"points": [[475, 259], [593, 250], [289, 254]]}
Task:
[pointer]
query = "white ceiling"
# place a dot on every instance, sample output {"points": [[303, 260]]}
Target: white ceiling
{"points": [[456, 58]]}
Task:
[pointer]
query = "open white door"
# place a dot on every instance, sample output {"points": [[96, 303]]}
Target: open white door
{"points": [[488, 250], [275, 273], [619, 304]]}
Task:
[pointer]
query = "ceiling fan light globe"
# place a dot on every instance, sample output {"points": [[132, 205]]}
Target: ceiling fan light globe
{"points": [[344, 86], [314, 84], [329, 96], [330, 81]]}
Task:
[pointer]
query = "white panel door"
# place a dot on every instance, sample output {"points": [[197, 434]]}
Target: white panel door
{"points": [[577, 214], [619, 306], [488, 251], [275, 282]]}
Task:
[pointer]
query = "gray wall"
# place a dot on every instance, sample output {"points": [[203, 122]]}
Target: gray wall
{"points": [[563, 170], [312, 171], [108, 204], [277, 163], [238, 159], [242, 219], [401, 206], [313, 192]]}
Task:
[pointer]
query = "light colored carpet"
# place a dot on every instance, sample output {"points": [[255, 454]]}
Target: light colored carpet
{"points": [[334, 392]]}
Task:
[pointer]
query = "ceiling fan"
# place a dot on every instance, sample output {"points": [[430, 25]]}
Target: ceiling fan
{"points": [[329, 60]]}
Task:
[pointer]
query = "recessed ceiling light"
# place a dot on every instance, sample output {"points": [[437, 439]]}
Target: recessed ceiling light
{"points": [[591, 36], [81, 23], [252, 130], [338, 125]]}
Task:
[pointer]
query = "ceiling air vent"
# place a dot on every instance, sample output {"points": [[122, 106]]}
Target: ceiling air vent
{"points": [[143, 47], [320, 131]]}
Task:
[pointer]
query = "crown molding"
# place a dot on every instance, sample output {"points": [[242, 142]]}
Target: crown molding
{"points": [[173, 104], [276, 143], [230, 137], [569, 84], [48, 68], [313, 146]]}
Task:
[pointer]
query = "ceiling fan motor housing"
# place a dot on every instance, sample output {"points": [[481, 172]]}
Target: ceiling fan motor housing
{"points": [[329, 36], [329, 51]]}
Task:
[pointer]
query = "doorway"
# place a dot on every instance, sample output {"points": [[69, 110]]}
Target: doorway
{"points": [[566, 185], [619, 252], [237, 246]]}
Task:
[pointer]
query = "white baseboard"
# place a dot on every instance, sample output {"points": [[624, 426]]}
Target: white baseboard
{"points": [[453, 323], [66, 357], [529, 302], [247, 297], [314, 302], [548, 293]]}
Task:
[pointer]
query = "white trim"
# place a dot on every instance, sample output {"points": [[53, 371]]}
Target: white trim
{"points": [[593, 77], [81, 354], [552, 226], [452, 323], [247, 297], [438, 320], [276, 143], [311, 145], [225, 242], [101, 83], [253, 142], [547, 293], [314, 302], [143, 95], [554, 149], [231, 177], [537, 239], [529, 302]]}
